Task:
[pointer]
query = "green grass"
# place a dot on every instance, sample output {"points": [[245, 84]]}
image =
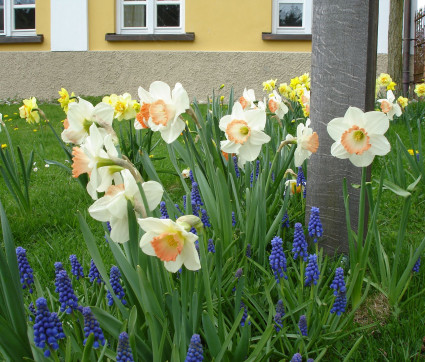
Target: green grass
{"points": [[51, 231]]}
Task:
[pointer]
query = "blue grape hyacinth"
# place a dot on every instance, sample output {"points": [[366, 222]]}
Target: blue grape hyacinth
{"points": [[124, 353], [94, 273], [233, 219], [312, 271], [67, 297], [235, 162], [91, 325], [338, 285], [302, 325], [76, 268], [301, 180], [297, 358], [245, 314], [285, 220], [47, 328], [211, 247], [280, 313], [277, 259], [26, 273], [315, 228], [299, 247], [248, 250], [114, 279], [417, 265], [195, 352], [163, 210], [204, 218]]}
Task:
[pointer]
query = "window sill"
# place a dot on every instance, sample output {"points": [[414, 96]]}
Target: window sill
{"points": [[150, 37], [21, 39], [270, 36]]}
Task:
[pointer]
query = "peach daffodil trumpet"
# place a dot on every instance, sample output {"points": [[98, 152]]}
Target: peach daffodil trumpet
{"points": [[359, 136]]}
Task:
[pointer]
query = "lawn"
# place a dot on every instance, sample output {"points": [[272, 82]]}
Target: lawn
{"points": [[51, 231]]}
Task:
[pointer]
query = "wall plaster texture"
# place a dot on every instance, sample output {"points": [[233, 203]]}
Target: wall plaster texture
{"points": [[42, 74]]}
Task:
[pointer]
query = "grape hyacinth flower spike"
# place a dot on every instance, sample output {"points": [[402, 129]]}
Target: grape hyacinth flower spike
{"points": [[124, 353], [163, 210], [76, 268], [312, 271], [277, 259], [235, 162], [301, 180], [315, 228], [297, 358], [94, 273], [67, 297], [195, 352], [91, 325], [302, 325], [245, 314], [248, 250], [300, 244], [204, 218], [338, 285], [285, 220], [114, 279], [47, 328], [211, 247], [280, 313], [25, 271]]}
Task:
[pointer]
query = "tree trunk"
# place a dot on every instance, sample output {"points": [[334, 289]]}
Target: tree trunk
{"points": [[343, 75], [395, 30]]}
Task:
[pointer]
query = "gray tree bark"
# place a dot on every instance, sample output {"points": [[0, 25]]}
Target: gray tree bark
{"points": [[395, 30], [343, 75]]}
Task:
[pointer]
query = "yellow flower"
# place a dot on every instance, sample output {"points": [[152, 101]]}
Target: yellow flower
{"points": [[4, 145], [391, 86], [26, 111], [151, 156], [124, 106], [293, 95], [402, 101], [6, 115], [420, 89], [64, 99], [305, 79], [294, 82], [34, 130], [411, 152], [16, 128], [269, 85], [222, 99], [221, 87], [299, 90], [384, 79], [136, 107], [284, 89], [306, 111]]}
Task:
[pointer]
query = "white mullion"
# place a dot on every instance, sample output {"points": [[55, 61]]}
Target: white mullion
{"points": [[8, 17], [150, 16]]}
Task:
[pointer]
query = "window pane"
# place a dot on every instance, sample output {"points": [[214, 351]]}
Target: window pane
{"points": [[290, 14], [168, 15], [24, 19], [134, 16], [22, 2]]}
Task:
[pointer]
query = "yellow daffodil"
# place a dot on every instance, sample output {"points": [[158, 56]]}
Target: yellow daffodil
{"points": [[124, 106], [391, 86], [420, 89], [411, 152], [402, 101], [4, 145], [293, 96], [64, 99], [269, 85], [294, 82], [305, 79], [285, 89], [384, 80], [26, 111]]}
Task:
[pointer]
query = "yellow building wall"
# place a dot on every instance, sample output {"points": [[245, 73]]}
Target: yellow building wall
{"points": [[42, 26], [219, 25]]}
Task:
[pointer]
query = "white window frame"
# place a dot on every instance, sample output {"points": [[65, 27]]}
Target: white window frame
{"points": [[151, 18], [307, 17], [9, 20]]}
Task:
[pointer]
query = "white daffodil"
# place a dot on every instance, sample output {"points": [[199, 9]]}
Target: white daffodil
{"points": [[81, 116], [186, 173], [247, 99], [170, 242], [276, 105], [389, 106], [113, 206], [90, 156], [307, 143], [160, 109], [244, 133], [359, 136]]}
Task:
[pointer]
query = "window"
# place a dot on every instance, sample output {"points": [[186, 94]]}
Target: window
{"points": [[292, 16], [150, 16], [17, 17]]}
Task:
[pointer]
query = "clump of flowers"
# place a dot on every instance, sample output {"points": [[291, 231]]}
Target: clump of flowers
{"points": [[315, 228], [76, 267], [114, 279], [124, 352], [312, 271], [67, 297], [302, 325], [26, 273], [300, 244], [280, 313], [94, 274]]}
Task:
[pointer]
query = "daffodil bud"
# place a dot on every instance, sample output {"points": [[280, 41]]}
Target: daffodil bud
{"points": [[190, 221]]}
